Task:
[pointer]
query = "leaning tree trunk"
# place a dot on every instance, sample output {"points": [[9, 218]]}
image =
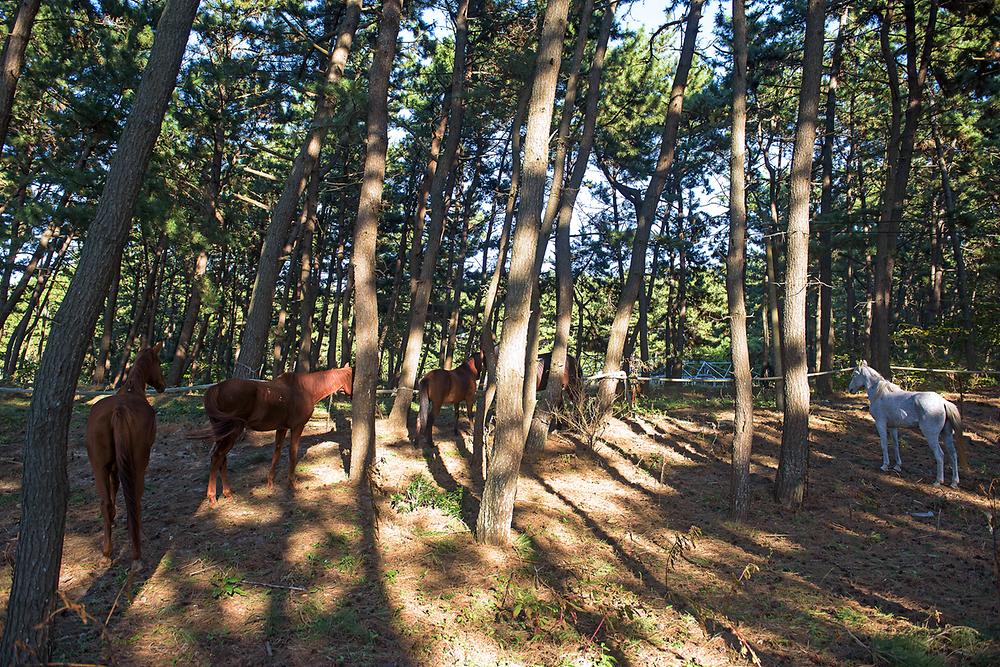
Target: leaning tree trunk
{"points": [[486, 341], [365, 233], [564, 270], [739, 488], [647, 212], [12, 61], [44, 485], [497, 508], [439, 188], [548, 220], [258, 318], [793, 466], [824, 383]]}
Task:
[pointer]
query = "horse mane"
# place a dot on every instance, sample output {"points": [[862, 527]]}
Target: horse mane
{"points": [[132, 380], [886, 387]]}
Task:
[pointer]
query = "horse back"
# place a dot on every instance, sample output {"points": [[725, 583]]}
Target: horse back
{"points": [[446, 387], [134, 418]]}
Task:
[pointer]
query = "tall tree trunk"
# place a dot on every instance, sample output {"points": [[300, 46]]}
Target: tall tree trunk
{"points": [[45, 484], [346, 340], [366, 368], [213, 216], [771, 261], [144, 306], [181, 357], [739, 487], [793, 466], [12, 61], [899, 158], [439, 188], [103, 364], [338, 259], [504, 462], [962, 276], [548, 220], [305, 292], [647, 212], [564, 270], [680, 322], [258, 317], [455, 311], [824, 383], [486, 340]]}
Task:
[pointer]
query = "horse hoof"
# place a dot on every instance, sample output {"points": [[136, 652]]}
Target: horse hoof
{"points": [[884, 468], [954, 485], [938, 483], [227, 494], [211, 501], [897, 468]]}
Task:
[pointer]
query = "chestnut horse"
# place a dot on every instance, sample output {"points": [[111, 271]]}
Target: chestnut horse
{"points": [[121, 429], [571, 379], [441, 387], [284, 404]]}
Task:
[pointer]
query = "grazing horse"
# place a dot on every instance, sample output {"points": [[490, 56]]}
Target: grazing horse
{"points": [[572, 380], [283, 404], [121, 429], [441, 387], [892, 408]]}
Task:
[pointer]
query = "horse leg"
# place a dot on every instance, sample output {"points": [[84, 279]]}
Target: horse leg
{"points": [[458, 414], [932, 433], [883, 436], [134, 509], [949, 443], [895, 441], [293, 455], [279, 437], [103, 478], [431, 418], [219, 453]]}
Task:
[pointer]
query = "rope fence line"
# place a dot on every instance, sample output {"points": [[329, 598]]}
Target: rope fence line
{"points": [[619, 375]]}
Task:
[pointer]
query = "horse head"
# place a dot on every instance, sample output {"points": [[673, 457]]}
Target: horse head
{"points": [[348, 386], [151, 366], [861, 377], [475, 363]]}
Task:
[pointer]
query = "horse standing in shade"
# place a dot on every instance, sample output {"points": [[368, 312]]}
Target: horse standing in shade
{"points": [[441, 387], [572, 379], [892, 407], [283, 404], [120, 433]]}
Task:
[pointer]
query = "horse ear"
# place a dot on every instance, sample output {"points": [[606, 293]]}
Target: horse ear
{"points": [[863, 363], [158, 347]]}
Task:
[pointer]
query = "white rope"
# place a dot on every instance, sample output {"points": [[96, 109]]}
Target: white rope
{"points": [[616, 375]]}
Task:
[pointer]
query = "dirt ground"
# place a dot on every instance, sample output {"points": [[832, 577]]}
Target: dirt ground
{"points": [[624, 554]]}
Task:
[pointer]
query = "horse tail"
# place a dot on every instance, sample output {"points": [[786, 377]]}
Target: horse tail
{"points": [[223, 424], [954, 418], [425, 407], [126, 464]]}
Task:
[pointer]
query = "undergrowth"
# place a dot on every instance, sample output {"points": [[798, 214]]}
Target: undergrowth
{"points": [[422, 492]]}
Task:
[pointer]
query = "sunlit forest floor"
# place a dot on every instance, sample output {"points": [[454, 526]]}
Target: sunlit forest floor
{"points": [[623, 554]]}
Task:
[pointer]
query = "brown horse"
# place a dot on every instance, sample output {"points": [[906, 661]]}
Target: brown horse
{"points": [[283, 404], [120, 433], [441, 387], [572, 380]]}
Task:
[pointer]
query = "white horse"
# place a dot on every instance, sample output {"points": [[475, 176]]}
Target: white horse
{"points": [[892, 407]]}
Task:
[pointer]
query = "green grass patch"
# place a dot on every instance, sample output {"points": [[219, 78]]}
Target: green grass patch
{"points": [[926, 647], [422, 492]]}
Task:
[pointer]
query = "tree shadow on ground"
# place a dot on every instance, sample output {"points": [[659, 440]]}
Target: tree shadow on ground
{"points": [[264, 578]]}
